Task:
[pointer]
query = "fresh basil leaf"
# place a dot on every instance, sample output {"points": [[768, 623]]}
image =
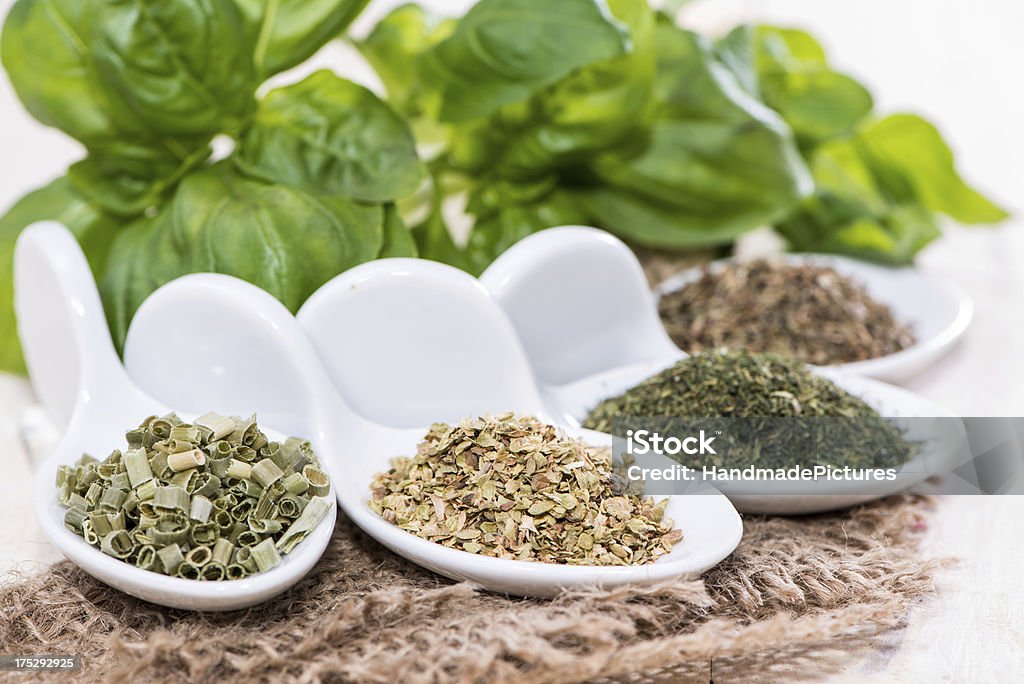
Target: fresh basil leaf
{"points": [[434, 241], [172, 68], [913, 146], [499, 230], [787, 46], [878, 192], [326, 134], [502, 51], [394, 49], [796, 81], [137, 266], [288, 32], [58, 201], [222, 223], [714, 164], [47, 59], [831, 224], [589, 110], [126, 179], [398, 240], [862, 207], [652, 223]]}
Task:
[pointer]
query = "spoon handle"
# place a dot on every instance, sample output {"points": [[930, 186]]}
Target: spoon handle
{"points": [[63, 330], [580, 302]]}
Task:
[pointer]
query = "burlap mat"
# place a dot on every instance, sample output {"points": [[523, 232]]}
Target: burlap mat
{"points": [[366, 615]]}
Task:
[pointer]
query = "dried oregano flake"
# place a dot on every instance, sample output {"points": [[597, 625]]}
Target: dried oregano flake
{"points": [[208, 501], [513, 487]]}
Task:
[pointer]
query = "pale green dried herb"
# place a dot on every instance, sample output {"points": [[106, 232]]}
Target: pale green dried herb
{"points": [[207, 501], [513, 487]]}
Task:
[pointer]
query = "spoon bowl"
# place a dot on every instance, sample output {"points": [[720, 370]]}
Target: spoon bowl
{"points": [[937, 310], [431, 342], [582, 269], [355, 448], [61, 325]]}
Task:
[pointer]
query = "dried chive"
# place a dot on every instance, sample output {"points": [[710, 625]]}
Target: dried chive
{"points": [[319, 484], [146, 557], [239, 470], [171, 498], [117, 544], [170, 558], [199, 556], [213, 572], [236, 571], [265, 555], [185, 460], [266, 473], [198, 501], [222, 551], [201, 508]]}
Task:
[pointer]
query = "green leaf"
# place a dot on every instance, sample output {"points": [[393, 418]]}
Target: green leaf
{"points": [[650, 223], [126, 179], [279, 237], [502, 51], [714, 164], [180, 68], [136, 268], [878, 192], [862, 207], [394, 49], [913, 146], [512, 221], [831, 224], [789, 47], [326, 134], [398, 239], [59, 202], [587, 111], [288, 32], [796, 81], [434, 241], [47, 59]]}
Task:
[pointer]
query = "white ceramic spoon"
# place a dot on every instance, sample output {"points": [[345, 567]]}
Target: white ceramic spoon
{"points": [[269, 340], [67, 344], [611, 338], [937, 310]]}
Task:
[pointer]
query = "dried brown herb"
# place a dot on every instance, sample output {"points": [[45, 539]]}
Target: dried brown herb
{"points": [[807, 312], [513, 487]]}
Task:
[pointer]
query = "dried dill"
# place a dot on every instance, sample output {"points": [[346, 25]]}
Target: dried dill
{"points": [[772, 412], [513, 487], [807, 312]]}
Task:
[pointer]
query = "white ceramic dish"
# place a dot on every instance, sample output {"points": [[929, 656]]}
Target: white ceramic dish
{"points": [[937, 309], [271, 365], [613, 339], [61, 324]]}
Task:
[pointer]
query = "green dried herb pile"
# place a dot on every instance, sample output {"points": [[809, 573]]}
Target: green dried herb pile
{"points": [[834, 428], [513, 487], [209, 500], [805, 311]]}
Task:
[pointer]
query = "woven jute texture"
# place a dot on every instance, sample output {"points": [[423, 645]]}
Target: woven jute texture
{"points": [[795, 585]]}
